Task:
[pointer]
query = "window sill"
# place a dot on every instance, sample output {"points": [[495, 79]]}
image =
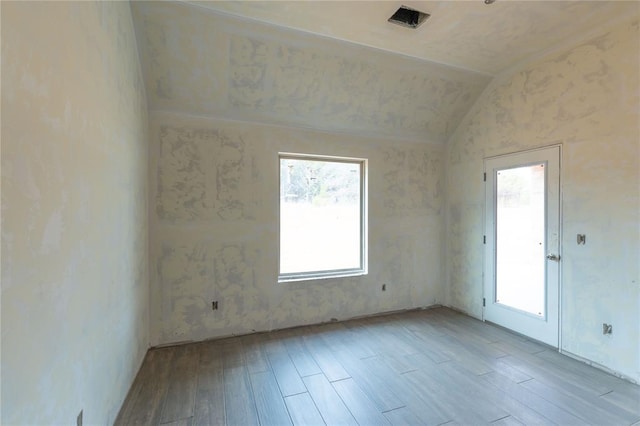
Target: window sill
{"points": [[321, 276]]}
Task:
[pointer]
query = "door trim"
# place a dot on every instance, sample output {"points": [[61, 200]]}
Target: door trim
{"points": [[559, 146]]}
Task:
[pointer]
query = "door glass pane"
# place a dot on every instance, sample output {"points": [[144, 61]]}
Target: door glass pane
{"points": [[520, 238]]}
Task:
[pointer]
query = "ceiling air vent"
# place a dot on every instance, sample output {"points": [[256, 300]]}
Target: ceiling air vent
{"points": [[408, 17]]}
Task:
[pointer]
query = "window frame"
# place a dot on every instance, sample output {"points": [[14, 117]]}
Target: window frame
{"points": [[332, 273]]}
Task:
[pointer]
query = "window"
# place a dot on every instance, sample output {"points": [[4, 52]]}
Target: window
{"points": [[322, 217]]}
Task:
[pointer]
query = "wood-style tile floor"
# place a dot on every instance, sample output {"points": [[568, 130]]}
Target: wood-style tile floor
{"points": [[428, 367]]}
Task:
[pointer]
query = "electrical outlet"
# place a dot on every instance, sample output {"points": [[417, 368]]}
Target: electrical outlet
{"points": [[384, 287], [607, 328], [214, 305], [79, 418]]}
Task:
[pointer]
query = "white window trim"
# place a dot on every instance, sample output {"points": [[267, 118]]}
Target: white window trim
{"points": [[364, 228]]}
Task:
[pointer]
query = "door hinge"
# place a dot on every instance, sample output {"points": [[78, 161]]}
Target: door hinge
{"points": [[484, 177], [484, 302], [484, 239]]}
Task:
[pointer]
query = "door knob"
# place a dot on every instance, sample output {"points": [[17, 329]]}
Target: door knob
{"points": [[552, 256]]}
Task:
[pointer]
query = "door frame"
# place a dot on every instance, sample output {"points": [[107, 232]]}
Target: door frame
{"points": [[560, 232]]}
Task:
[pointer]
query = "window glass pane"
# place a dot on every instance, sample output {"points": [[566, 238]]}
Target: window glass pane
{"points": [[520, 238], [320, 215]]}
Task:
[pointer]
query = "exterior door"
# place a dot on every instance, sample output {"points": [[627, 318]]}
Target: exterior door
{"points": [[522, 243]]}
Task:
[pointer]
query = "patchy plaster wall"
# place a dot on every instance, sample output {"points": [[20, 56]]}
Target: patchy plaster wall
{"points": [[200, 62], [587, 99], [226, 95], [214, 219], [74, 211]]}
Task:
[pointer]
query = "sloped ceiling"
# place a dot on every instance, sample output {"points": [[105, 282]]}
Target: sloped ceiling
{"points": [[337, 69], [467, 34]]}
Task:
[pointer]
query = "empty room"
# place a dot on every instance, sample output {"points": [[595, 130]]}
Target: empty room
{"points": [[320, 212]]}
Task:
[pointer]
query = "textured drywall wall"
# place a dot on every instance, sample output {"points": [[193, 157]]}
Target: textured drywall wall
{"points": [[74, 211], [204, 63], [467, 34], [214, 229], [586, 99], [226, 95]]}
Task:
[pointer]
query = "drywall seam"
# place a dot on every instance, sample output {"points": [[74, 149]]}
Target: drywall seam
{"points": [[199, 254], [260, 75], [567, 44], [328, 37], [222, 117], [141, 74]]}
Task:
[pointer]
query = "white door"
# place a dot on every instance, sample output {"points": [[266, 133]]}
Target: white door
{"points": [[522, 244]]}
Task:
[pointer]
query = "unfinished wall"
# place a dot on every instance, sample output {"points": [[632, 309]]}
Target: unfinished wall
{"points": [[209, 64], [214, 229], [586, 99], [74, 211], [226, 95]]}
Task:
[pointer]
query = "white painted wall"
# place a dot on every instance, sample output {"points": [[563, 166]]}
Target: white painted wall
{"points": [[74, 211], [585, 98], [214, 198]]}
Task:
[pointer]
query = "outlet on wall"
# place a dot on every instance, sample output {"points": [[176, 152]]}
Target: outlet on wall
{"points": [[214, 305]]}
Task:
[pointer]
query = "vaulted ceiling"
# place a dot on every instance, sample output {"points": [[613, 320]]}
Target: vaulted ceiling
{"points": [[467, 34], [340, 66]]}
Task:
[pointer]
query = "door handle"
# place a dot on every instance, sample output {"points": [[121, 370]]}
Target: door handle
{"points": [[552, 256]]}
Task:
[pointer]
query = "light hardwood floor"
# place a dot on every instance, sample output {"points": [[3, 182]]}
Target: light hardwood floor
{"points": [[426, 367]]}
